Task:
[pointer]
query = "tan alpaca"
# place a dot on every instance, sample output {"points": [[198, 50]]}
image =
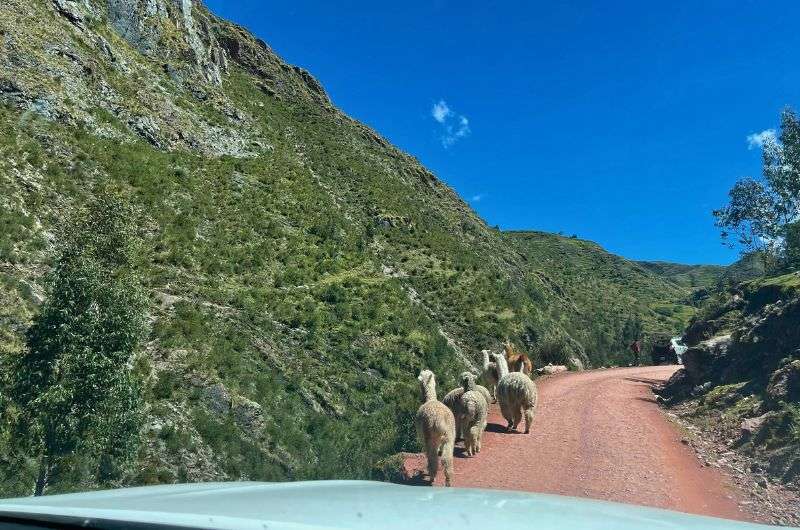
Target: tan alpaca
{"points": [[436, 427], [472, 414], [490, 374], [517, 395], [517, 361], [453, 398]]}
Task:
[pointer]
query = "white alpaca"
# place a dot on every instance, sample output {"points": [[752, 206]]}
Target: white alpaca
{"points": [[472, 414], [490, 374], [436, 427], [517, 395], [453, 399]]}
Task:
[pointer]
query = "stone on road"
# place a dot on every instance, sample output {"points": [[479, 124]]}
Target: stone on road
{"points": [[599, 434]]}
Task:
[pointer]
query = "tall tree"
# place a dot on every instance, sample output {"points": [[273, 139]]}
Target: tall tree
{"points": [[761, 212], [72, 387]]}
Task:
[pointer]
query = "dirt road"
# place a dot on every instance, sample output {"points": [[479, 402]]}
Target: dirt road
{"points": [[598, 434]]}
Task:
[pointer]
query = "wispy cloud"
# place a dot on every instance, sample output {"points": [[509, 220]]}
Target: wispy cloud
{"points": [[759, 139], [441, 111], [477, 198], [454, 126]]}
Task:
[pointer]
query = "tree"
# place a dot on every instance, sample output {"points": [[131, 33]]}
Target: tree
{"points": [[763, 211], [72, 386]]}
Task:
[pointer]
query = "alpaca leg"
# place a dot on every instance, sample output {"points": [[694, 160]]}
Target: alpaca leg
{"points": [[528, 419], [475, 439], [468, 443], [507, 414], [481, 428], [517, 417], [447, 461], [432, 453], [505, 409]]}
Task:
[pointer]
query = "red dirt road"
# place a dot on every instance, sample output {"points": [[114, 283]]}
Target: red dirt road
{"points": [[598, 434]]}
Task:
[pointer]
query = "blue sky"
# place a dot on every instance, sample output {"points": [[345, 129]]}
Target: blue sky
{"points": [[623, 122]]}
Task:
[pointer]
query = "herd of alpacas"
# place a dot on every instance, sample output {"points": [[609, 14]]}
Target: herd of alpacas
{"points": [[462, 412]]}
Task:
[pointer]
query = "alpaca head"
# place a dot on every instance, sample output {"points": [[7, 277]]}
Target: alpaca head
{"points": [[502, 364], [467, 381], [486, 361], [427, 385]]}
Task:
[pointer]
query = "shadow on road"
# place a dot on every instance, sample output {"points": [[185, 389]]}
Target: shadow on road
{"points": [[496, 427], [651, 382]]}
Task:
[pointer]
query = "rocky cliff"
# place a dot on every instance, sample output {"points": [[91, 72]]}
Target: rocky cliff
{"points": [[742, 373]]}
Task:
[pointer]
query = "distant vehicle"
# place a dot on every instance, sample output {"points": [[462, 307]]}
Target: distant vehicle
{"points": [[679, 347], [336, 504]]}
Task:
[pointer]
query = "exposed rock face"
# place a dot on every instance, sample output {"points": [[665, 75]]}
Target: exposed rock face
{"points": [[700, 361], [747, 375], [146, 24]]}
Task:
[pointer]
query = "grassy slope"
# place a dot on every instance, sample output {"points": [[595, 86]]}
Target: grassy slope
{"points": [[297, 286]]}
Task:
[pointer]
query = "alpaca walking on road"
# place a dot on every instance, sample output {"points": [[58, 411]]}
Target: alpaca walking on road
{"points": [[517, 361], [490, 376], [436, 427], [517, 395], [453, 401], [472, 414]]}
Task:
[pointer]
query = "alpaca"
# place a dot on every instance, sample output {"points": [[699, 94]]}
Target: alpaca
{"points": [[472, 414], [436, 427], [517, 361], [453, 399], [490, 374], [517, 395]]}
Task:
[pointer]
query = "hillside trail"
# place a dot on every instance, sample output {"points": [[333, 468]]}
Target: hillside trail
{"points": [[597, 434]]}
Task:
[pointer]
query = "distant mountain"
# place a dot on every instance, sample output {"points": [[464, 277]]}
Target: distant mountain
{"points": [[687, 275], [748, 267], [302, 270]]}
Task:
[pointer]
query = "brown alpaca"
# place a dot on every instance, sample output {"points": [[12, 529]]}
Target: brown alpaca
{"points": [[517, 361], [436, 427]]}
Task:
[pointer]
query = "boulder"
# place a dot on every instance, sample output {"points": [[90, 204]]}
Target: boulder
{"points": [[784, 384], [751, 426], [699, 360]]}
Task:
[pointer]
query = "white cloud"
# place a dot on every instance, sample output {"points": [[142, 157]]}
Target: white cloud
{"points": [[477, 198], [759, 139], [454, 126], [441, 111]]}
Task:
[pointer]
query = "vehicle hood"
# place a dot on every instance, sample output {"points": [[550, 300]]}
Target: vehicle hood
{"points": [[352, 505]]}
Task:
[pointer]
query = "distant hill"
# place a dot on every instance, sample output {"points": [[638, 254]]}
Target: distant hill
{"points": [[605, 289], [748, 267], [687, 275]]}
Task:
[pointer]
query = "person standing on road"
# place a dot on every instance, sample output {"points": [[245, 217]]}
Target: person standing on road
{"points": [[636, 348]]}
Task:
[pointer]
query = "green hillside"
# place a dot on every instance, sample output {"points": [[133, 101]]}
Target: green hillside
{"points": [[300, 269]]}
